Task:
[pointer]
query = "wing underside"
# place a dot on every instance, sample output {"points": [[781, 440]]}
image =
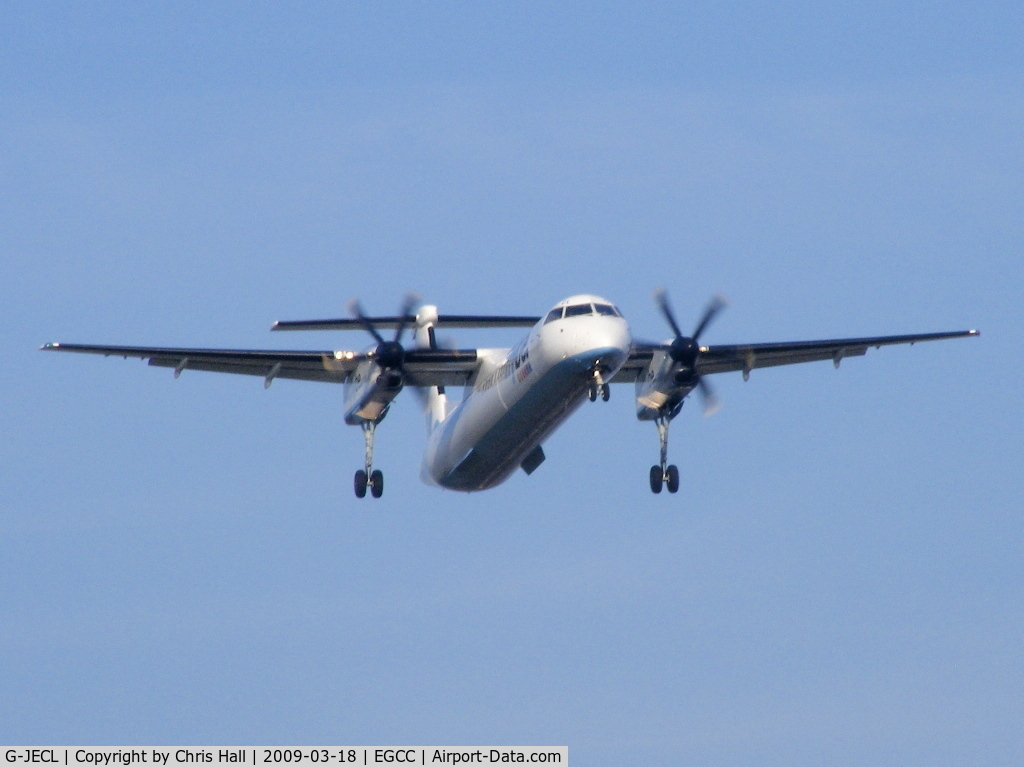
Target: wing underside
{"points": [[422, 367], [454, 367], [726, 358]]}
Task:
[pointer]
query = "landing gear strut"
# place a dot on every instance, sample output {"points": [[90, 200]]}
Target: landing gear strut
{"points": [[369, 477], [598, 386], [664, 473]]}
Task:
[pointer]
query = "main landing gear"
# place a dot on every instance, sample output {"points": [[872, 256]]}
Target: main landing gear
{"points": [[664, 473], [369, 477]]}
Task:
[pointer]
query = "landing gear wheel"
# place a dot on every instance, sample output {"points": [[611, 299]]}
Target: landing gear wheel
{"points": [[672, 478], [656, 479], [360, 484], [377, 483], [593, 392], [606, 392]]}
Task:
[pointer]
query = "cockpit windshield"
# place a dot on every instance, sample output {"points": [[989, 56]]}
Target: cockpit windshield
{"points": [[578, 310], [581, 310]]}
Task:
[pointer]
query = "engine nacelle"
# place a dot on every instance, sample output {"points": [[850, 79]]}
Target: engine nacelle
{"points": [[369, 391], [662, 387]]}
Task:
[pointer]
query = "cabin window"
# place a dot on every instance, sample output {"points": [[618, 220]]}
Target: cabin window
{"points": [[578, 310], [554, 314]]}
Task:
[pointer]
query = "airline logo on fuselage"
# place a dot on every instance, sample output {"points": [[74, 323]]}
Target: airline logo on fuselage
{"points": [[518, 361]]}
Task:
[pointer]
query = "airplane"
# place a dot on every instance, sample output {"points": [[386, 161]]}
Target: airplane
{"points": [[513, 399]]}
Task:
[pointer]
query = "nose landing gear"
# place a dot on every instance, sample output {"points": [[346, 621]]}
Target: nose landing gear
{"points": [[369, 477], [598, 386], [664, 473]]}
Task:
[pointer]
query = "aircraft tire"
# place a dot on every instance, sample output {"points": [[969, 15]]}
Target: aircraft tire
{"points": [[606, 392], [672, 478], [377, 483], [593, 393], [656, 479], [360, 484]]}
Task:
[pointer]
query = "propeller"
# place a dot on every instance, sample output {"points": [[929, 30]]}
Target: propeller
{"points": [[684, 350], [390, 355]]}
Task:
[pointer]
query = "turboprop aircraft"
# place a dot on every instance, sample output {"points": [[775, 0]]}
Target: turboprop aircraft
{"points": [[513, 399]]}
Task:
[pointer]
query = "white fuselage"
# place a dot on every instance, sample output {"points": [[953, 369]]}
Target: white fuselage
{"points": [[518, 397]]}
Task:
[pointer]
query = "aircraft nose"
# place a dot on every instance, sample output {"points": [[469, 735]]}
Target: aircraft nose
{"points": [[609, 340]]}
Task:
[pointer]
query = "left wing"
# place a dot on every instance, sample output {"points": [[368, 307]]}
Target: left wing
{"points": [[726, 358], [422, 367], [729, 358]]}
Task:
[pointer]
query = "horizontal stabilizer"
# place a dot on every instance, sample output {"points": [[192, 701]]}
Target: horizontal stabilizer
{"points": [[443, 320]]}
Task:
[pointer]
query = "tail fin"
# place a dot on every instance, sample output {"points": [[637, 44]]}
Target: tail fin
{"points": [[437, 406], [435, 400]]}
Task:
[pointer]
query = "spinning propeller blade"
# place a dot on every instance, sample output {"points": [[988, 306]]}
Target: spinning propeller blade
{"points": [[710, 404], [356, 310], [388, 354], [661, 299], [685, 349], [408, 304], [714, 307]]}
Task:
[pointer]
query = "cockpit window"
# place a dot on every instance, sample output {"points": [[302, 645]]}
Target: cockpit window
{"points": [[607, 310], [578, 310], [581, 310]]}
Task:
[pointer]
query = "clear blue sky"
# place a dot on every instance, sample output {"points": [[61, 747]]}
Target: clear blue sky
{"points": [[841, 578]]}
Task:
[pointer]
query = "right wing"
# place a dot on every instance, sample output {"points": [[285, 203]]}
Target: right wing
{"points": [[423, 367]]}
